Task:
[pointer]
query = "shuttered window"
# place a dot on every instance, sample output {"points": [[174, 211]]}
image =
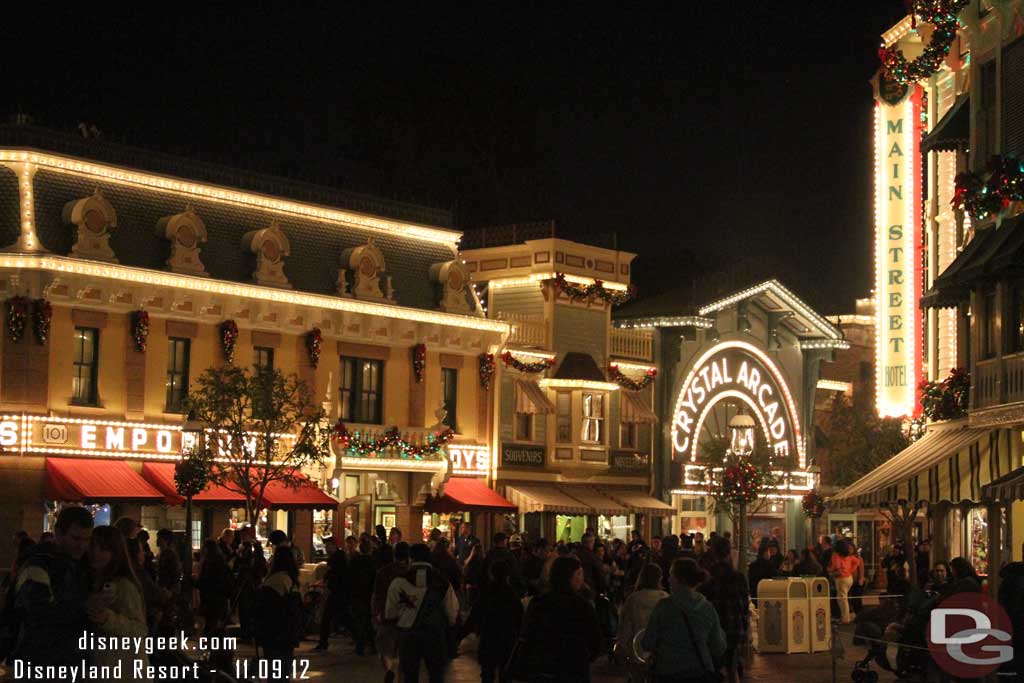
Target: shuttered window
{"points": [[1013, 98]]}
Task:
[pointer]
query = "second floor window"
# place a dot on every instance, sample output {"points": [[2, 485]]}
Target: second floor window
{"points": [[593, 418], [450, 394], [990, 329], [563, 417], [361, 390], [263, 357], [83, 385], [177, 372]]}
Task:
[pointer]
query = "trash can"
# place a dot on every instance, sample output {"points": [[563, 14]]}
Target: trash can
{"points": [[821, 614], [783, 615]]}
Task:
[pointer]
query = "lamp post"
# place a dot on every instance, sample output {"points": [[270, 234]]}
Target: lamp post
{"points": [[741, 445], [191, 436]]}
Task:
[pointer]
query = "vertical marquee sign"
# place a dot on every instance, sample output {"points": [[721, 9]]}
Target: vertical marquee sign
{"points": [[898, 130]]}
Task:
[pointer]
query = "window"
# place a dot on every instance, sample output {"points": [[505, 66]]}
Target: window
{"points": [[263, 358], [990, 332], [563, 417], [593, 418], [986, 121], [361, 390], [450, 395], [177, 372], [83, 388], [524, 427], [628, 435]]}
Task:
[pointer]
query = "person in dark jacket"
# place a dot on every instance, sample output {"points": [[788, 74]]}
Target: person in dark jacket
{"points": [[533, 566], [808, 565], [561, 634], [726, 589], [50, 594], [499, 552], [761, 568], [337, 582], [497, 618], [669, 552], [362, 575], [445, 562], [275, 604], [386, 631], [1011, 598], [250, 570], [150, 592], [923, 562], [215, 586], [593, 567]]}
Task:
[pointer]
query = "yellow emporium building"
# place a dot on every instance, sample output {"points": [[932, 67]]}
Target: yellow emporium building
{"points": [[100, 238]]}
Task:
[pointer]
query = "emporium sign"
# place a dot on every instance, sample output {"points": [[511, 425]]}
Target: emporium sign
{"points": [[898, 253], [738, 372]]}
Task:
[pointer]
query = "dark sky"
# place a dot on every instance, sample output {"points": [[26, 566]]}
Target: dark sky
{"points": [[710, 136]]}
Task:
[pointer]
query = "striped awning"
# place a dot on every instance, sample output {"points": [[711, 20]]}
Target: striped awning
{"points": [[635, 409], [541, 498], [640, 501], [530, 399], [1005, 489], [600, 503], [951, 462]]}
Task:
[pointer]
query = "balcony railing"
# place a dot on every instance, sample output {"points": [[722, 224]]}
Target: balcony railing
{"points": [[997, 381], [630, 343], [528, 329]]}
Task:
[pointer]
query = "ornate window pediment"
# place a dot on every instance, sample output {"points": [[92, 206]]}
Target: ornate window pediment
{"points": [[270, 247], [366, 263], [185, 231], [95, 218], [453, 279]]}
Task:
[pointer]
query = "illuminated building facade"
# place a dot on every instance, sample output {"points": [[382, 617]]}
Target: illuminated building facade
{"points": [[575, 426], [101, 237]]}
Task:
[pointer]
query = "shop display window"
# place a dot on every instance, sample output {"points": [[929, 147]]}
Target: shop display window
{"points": [[617, 526], [570, 528]]}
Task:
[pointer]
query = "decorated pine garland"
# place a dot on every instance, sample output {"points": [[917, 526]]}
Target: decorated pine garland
{"points": [[228, 339], [419, 361], [527, 368], [140, 330], [17, 317], [391, 440], [627, 382], [486, 370], [947, 399], [314, 344], [813, 504], [42, 315], [942, 14], [577, 292], [739, 483], [991, 192]]}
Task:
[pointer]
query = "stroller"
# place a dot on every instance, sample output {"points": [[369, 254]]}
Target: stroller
{"points": [[896, 642]]}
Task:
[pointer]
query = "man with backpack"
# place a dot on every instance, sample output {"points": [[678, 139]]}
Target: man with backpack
{"points": [[424, 607]]}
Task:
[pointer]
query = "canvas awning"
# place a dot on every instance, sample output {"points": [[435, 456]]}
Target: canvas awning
{"points": [[307, 496], [1006, 489], [469, 494], [530, 399], [638, 501], [91, 480], [545, 498], [993, 252], [953, 130], [951, 462], [161, 476], [595, 500], [635, 409]]}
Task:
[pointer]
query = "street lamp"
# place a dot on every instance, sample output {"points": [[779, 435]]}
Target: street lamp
{"points": [[191, 439], [741, 445]]}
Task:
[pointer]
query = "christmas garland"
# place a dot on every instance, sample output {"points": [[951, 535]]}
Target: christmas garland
{"points": [[486, 370], [314, 344], [739, 483], [392, 439], [419, 361], [577, 292], [990, 193], [813, 504], [948, 399], [17, 316], [528, 368], [42, 314], [140, 330], [627, 382], [228, 339], [942, 15]]}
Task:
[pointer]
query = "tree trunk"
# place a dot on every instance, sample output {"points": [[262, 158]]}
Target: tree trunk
{"points": [[186, 562]]}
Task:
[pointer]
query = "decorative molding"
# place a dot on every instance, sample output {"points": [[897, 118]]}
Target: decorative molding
{"points": [[454, 280], [84, 318], [266, 339], [185, 231], [367, 265], [371, 351], [94, 218], [270, 246]]}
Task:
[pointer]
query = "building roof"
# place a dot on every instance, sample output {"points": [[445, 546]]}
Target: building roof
{"points": [[576, 365]]}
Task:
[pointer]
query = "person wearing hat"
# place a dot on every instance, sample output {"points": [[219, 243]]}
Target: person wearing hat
{"points": [[500, 552]]}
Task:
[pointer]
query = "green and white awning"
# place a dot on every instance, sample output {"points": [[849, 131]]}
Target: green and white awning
{"points": [[950, 463]]}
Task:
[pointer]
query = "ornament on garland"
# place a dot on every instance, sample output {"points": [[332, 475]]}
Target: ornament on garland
{"points": [[990, 193], [140, 330], [228, 339], [419, 361], [813, 504], [577, 292], [739, 483], [486, 370], [627, 382], [17, 317], [948, 399], [42, 314], [391, 440], [314, 344], [527, 368], [941, 14]]}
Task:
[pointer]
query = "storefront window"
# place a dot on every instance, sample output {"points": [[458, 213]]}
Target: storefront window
{"points": [[977, 527], [570, 528], [386, 515], [350, 521], [617, 526]]}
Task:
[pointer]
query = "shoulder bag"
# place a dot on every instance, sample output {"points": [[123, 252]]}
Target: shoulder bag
{"points": [[709, 674]]}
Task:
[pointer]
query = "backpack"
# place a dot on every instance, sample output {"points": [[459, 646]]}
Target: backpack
{"points": [[431, 613]]}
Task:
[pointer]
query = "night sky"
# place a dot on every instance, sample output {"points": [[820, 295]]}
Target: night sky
{"points": [[722, 143]]}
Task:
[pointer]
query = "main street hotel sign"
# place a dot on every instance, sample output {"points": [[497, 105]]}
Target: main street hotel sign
{"points": [[897, 249]]}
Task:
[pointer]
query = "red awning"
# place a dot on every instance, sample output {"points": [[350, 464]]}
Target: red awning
{"points": [[280, 496], [466, 494], [88, 480], [161, 476]]}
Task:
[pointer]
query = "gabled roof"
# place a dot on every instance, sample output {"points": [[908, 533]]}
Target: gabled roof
{"points": [[771, 295], [580, 366]]}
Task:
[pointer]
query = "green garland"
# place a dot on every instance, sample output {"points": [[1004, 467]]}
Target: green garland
{"points": [[391, 440], [140, 330], [990, 193], [577, 292], [948, 399], [739, 483], [942, 14], [17, 317], [527, 368], [813, 504], [486, 370], [627, 382]]}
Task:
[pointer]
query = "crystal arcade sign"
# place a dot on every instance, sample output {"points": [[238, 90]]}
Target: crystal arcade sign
{"points": [[743, 373]]}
